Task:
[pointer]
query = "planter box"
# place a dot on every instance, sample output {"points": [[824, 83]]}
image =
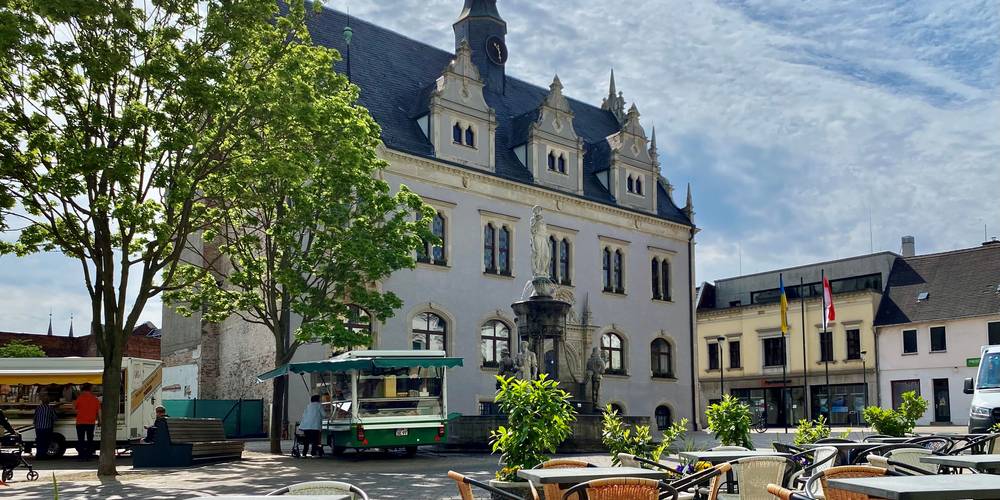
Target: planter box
{"points": [[472, 432]]}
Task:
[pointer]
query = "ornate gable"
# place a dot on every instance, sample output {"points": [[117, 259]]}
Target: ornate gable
{"points": [[635, 165], [553, 151]]}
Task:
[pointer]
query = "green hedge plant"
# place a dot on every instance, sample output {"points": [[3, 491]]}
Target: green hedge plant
{"points": [[730, 420], [539, 415], [899, 422], [619, 437], [810, 431]]}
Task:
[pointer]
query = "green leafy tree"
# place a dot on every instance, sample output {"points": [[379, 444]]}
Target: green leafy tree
{"points": [[539, 415], [898, 422], [730, 420], [114, 118], [21, 349], [619, 437]]}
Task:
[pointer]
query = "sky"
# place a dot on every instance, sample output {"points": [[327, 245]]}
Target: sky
{"points": [[809, 130]]}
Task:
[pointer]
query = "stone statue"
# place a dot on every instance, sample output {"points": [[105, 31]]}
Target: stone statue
{"points": [[507, 366], [595, 372], [527, 363], [539, 245]]}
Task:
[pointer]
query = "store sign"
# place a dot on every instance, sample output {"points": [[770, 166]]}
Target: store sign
{"points": [[972, 362]]}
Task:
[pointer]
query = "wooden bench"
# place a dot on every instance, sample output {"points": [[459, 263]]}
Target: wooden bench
{"points": [[183, 442]]}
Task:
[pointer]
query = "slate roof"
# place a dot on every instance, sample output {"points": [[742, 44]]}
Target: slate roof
{"points": [[962, 283], [395, 74]]}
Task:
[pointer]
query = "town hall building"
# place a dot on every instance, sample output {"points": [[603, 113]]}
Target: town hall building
{"points": [[483, 147]]}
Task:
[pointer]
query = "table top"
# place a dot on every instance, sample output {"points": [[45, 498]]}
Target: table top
{"points": [[974, 461], [717, 457], [937, 487], [584, 474], [335, 496], [843, 445]]}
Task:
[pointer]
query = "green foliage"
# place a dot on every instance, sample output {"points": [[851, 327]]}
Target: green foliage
{"points": [[55, 487], [810, 431], [995, 428], [21, 349], [730, 420], [897, 422], [539, 415], [619, 437]]}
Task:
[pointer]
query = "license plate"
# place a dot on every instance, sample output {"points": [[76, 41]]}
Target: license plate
{"points": [[402, 432]]}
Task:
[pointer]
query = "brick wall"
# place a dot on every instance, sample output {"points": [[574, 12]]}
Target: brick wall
{"points": [[85, 346]]}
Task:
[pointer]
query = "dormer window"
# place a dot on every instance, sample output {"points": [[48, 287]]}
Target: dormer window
{"points": [[638, 186], [552, 161], [470, 137], [456, 133], [562, 163], [631, 184]]}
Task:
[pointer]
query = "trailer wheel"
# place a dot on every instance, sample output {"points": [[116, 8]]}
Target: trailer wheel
{"points": [[57, 447]]}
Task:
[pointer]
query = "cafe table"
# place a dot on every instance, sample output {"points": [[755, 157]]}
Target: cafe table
{"points": [[935, 487], [571, 476], [989, 464]]}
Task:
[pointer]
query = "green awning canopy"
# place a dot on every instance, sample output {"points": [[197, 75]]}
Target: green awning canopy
{"points": [[343, 365]]}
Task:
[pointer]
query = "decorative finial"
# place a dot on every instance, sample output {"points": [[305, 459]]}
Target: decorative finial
{"points": [[70, 325], [652, 141], [50, 323], [611, 88], [689, 206], [556, 84]]}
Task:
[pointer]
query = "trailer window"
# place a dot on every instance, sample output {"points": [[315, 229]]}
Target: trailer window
{"points": [[397, 392]]}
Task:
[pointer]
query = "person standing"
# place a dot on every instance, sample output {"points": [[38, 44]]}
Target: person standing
{"points": [[88, 411], [311, 424], [45, 420]]}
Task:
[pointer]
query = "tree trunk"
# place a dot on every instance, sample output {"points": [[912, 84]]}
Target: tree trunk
{"points": [[278, 388], [111, 389]]}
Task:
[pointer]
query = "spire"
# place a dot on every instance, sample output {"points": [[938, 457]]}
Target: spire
{"points": [[71, 325], [611, 88], [615, 101], [50, 324], [689, 206], [480, 8]]}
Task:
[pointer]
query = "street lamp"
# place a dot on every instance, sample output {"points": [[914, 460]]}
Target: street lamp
{"points": [[864, 381], [722, 367]]}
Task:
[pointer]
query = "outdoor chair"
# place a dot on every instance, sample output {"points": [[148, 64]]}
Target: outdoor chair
{"points": [[553, 490], [834, 440], [621, 488], [465, 485], [812, 461], [817, 486], [791, 449], [754, 474], [786, 494], [873, 437], [860, 457], [979, 445], [320, 488], [674, 466], [937, 444], [911, 457], [696, 484]]}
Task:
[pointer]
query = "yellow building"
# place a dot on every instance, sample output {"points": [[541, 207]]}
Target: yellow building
{"points": [[740, 344]]}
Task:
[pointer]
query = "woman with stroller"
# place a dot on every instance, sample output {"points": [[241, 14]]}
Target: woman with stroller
{"points": [[311, 424], [5, 424]]}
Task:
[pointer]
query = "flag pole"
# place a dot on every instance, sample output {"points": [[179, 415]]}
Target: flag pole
{"points": [[826, 363], [784, 356], [806, 402]]}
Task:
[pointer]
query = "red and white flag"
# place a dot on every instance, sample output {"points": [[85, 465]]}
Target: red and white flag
{"points": [[829, 313]]}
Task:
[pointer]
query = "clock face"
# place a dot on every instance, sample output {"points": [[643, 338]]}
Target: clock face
{"points": [[496, 50]]}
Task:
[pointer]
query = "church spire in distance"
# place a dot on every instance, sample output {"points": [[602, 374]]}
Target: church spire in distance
{"points": [[615, 101]]}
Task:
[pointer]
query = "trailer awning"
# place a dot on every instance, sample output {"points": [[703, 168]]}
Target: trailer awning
{"points": [[44, 377], [343, 365]]}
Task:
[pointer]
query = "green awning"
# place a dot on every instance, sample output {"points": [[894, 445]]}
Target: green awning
{"points": [[343, 365]]}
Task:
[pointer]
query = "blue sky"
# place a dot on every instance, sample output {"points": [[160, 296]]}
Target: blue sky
{"points": [[796, 122]]}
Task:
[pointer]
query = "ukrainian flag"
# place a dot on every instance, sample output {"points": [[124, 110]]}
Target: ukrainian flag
{"points": [[784, 305]]}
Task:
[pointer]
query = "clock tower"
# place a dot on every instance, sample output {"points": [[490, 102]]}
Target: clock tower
{"points": [[481, 26]]}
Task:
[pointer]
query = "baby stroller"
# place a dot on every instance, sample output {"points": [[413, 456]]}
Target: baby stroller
{"points": [[11, 457]]}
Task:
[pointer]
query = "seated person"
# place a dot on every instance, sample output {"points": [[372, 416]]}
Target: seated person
{"points": [[161, 413]]}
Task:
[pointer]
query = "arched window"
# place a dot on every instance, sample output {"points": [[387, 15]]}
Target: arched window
{"points": [[661, 358], [631, 184], [504, 250], [562, 164], [428, 332], [456, 133], [495, 337], [470, 137], [614, 353], [655, 273], [552, 160], [553, 259], [638, 185], [607, 269], [663, 417], [665, 280], [619, 272], [438, 228], [489, 249], [617, 408], [564, 262]]}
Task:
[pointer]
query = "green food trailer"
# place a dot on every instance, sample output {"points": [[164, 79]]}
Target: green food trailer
{"points": [[379, 399]]}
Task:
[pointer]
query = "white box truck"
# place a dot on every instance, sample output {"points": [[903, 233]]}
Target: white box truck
{"points": [[24, 380], [985, 409]]}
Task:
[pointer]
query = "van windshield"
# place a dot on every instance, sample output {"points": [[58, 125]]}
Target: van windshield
{"points": [[989, 371]]}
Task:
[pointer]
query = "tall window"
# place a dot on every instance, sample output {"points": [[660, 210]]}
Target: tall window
{"points": [[428, 332], [606, 254], [489, 249], [665, 279], [938, 342], [899, 387], [619, 272], [713, 355], [854, 343], [456, 133], [553, 259], [654, 271], [663, 417], [470, 137], [661, 358], [631, 184], [562, 164], [437, 252], [826, 346], [909, 341], [503, 248], [774, 351], [993, 333], [552, 161], [638, 185], [614, 353], [495, 337], [734, 354], [564, 277]]}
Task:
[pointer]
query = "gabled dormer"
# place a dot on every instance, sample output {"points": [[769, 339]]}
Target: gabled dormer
{"points": [[635, 167], [459, 123], [551, 150]]}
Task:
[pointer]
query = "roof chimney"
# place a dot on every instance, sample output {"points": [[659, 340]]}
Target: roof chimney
{"points": [[909, 246]]}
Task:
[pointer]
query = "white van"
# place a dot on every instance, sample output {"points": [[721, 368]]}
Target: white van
{"points": [[24, 380], [985, 410]]}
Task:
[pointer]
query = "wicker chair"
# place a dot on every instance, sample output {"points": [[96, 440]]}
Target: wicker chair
{"points": [[320, 488], [673, 466], [786, 494], [819, 480], [872, 438], [621, 488], [860, 457], [465, 485], [553, 490], [937, 444], [787, 448], [820, 459], [911, 457], [983, 444], [754, 473]]}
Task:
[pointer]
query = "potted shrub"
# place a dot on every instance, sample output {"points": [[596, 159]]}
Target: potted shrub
{"points": [[730, 420], [619, 437], [899, 422], [539, 415], [810, 431]]}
